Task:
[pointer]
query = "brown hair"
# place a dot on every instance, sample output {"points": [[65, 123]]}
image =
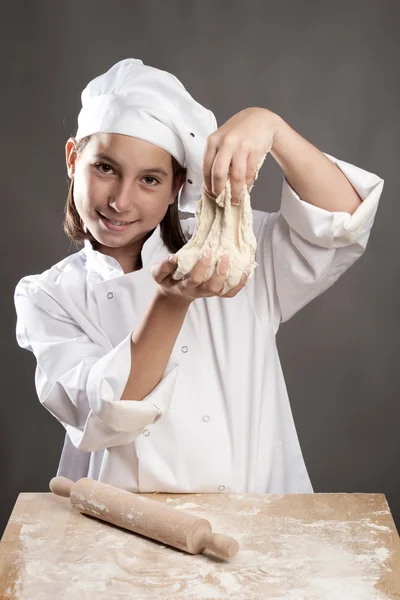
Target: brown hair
{"points": [[170, 227]]}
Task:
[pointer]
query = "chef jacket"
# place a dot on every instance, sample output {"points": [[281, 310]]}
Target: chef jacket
{"points": [[220, 419]]}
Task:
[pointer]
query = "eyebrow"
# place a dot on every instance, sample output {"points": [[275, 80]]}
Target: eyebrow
{"points": [[105, 157]]}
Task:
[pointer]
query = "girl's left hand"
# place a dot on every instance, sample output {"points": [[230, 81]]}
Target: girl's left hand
{"points": [[236, 149]]}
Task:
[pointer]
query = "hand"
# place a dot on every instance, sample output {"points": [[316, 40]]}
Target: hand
{"points": [[194, 285], [236, 150]]}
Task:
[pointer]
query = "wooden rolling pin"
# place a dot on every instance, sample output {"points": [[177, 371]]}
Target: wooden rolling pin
{"points": [[144, 516]]}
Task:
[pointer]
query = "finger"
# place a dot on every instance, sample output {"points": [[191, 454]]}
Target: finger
{"points": [[234, 291], [198, 274], [237, 174], [209, 157], [215, 285], [220, 170], [163, 269]]}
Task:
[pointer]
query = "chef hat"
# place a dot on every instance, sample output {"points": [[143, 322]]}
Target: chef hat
{"points": [[153, 105]]}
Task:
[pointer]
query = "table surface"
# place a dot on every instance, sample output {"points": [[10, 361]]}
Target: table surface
{"points": [[292, 546]]}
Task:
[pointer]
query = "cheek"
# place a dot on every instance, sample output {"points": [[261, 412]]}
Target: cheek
{"points": [[157, 207], [88, 192]]}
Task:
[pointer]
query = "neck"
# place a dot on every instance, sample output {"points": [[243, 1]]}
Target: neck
{"points": [[129, 257]]}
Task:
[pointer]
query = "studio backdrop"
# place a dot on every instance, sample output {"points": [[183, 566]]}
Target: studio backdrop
{"points": [[331, 70]]}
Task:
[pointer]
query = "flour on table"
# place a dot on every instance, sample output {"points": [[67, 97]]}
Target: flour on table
{"points": [[280, 558]]}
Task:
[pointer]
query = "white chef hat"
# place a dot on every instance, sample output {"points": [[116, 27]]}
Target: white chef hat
{"points": [[153, 105]]}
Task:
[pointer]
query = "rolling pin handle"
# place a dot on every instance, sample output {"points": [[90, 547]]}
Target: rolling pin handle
{"points": [[223, 545], [61, 486]]}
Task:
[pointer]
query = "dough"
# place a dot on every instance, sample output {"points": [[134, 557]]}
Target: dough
{"points": [[224, 229]]}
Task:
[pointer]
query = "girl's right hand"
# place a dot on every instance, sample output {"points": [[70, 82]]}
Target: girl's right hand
{"points": [[194, 285]]}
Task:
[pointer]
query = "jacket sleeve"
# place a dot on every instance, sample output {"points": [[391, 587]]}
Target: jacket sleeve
{"points": [[80, 382], [302, 249]]}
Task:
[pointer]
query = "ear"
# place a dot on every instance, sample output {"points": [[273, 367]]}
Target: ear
{"points": [[70, 156]]}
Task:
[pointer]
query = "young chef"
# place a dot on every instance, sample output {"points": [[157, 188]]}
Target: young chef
{"points": [[167, 385]]}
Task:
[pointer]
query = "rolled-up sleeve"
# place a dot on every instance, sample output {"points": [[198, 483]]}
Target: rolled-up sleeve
{"points": [[334, 229], [81, 382], [303, 249]]}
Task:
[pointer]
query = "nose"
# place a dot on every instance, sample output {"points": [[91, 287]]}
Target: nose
{"points": [[122, 199]]}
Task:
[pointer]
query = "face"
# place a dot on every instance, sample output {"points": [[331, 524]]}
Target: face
{"points": [[122, 187]]}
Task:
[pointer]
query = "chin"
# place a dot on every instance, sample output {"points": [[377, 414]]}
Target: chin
{"points": [[116, 240], [111, 241]]}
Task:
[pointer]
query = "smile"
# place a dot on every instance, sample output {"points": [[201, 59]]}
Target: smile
{"points": [[117, 222], [115, 225]]}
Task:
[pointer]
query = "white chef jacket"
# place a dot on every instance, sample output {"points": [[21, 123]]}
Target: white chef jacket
{"points": [[220, 418]]}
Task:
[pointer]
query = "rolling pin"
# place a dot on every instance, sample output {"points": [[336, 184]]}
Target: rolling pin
{"points": [[144, 516]]}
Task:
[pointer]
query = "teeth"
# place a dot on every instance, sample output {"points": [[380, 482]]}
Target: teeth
{"points": [[116, 222]]}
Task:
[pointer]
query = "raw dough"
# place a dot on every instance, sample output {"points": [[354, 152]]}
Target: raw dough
{"points": [[224, 229]]}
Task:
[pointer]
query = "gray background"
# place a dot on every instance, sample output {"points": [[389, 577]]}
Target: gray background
{"points": [[332, 71]]}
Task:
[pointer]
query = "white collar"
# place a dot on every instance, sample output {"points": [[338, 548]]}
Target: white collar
{"points": [[107, 266]]}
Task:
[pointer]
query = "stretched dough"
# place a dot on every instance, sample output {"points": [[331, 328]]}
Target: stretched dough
{"points": [[224, 229]]}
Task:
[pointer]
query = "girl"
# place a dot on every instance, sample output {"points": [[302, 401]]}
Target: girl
{"points": [[164, 385]]}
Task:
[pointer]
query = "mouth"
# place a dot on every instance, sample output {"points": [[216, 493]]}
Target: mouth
{"points": [[114, 225]]}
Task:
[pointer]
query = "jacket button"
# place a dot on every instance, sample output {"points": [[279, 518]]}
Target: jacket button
{"points": [[110, 295], [184, 349], [146, 432], [206, 418], [221, 488]]}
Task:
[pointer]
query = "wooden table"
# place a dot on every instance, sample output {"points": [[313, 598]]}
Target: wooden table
{"points": [[314, 546]]}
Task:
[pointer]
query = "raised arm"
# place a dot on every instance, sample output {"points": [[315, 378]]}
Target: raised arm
{"points": [[238, 146], [314, 177]]}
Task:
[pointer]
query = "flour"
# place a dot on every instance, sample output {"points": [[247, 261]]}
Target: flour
{"points": [[90, 502], [382, 554], [228, 582], [375, 526], [188, 505], [280, 558], [29, 528], [99, 506]]}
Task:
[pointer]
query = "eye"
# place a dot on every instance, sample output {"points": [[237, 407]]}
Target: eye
{"points": [[152, 181], [104, 168]]}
